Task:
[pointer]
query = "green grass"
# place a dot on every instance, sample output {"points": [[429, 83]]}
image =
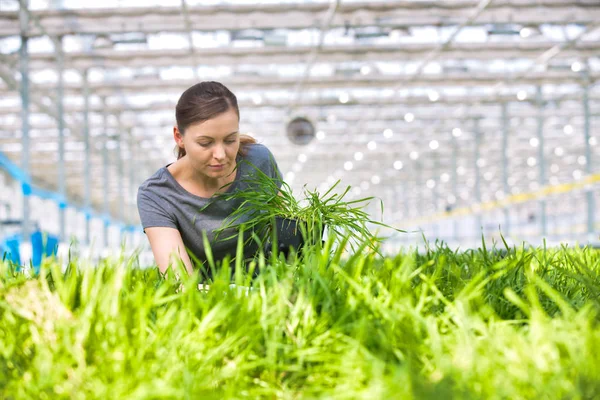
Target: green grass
{"points": [[440, 324], [266, 199]]}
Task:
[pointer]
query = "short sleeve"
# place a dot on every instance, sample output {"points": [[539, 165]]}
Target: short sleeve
{"points": [[152, 214], [272, 169]]}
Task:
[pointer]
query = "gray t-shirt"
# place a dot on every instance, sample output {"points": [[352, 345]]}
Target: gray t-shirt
{"points": [[163, 202]]}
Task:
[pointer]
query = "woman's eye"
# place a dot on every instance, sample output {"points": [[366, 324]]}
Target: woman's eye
{"points": [[204, 144], [230, 141]]}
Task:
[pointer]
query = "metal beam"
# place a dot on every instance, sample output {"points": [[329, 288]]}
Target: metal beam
{"points": [[381, 115], [419, 187], [435, 190], [589, 160], [62, 183], [239, 84], [477, 144], [505, 187], [86, 140], [24, 88], [541, 161], [302, 16], [120, 173], [297, 92], [454, 166], [474, 13], [133, 177], [319, 100], [105, 175], [189, 32], [259, 56]]}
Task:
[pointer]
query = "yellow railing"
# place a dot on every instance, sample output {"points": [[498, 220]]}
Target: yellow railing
{"points": [[506, 201]]}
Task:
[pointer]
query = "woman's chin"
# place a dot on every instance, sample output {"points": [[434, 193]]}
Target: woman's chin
{"points": [[218, 173]]}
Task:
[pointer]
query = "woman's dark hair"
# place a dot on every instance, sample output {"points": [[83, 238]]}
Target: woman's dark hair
{"points": [[203, 101]]}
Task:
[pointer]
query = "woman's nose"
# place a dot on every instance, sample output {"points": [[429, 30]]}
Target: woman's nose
{"points": [[219, 152]]}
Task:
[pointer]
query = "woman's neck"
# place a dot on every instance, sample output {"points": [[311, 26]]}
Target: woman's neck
{"points": [[196, 183]]}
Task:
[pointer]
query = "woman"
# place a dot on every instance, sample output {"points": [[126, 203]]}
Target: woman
{"points": [[210, 150]]}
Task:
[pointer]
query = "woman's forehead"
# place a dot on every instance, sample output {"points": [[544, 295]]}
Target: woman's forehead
{"points": [[221, 125]]}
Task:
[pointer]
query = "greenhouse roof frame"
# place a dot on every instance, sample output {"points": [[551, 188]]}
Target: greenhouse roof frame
{"points": [[420, 69]]}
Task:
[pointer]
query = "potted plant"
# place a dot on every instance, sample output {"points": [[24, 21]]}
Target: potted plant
{"points": [[272, 212]]}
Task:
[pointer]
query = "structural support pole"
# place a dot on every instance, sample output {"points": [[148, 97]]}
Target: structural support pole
{"points": [[62, 183], [132, 174], [419, 192], [541, 159], [435, 189], [120, 181], [24, 69], [419, 189], [454, 184], [86, 162], [404, 188], [477, 133], [589, 162], [132, 205], [505, 187], [105, 178]]}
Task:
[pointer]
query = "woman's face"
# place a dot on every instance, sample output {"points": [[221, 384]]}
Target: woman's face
{"points": [[211, 146]]}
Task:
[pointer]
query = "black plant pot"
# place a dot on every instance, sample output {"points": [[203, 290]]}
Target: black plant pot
{"points": [[289, 235]]}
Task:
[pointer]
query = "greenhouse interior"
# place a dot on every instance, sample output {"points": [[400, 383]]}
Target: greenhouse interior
{"points": [[462, 119], [421, 222]]}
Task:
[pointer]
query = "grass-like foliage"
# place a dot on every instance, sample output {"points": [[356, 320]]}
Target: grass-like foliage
{"points": [[266, 199], [439, 324]]}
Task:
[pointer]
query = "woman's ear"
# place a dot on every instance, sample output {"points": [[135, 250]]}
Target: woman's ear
{"points": [[178, 137]]}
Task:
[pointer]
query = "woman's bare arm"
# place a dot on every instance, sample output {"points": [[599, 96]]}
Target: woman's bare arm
{"points": [[167, 247]]}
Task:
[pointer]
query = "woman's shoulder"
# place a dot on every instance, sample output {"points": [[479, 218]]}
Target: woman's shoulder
{"points": [[158, 181], [257, 152], [259, 157]]}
